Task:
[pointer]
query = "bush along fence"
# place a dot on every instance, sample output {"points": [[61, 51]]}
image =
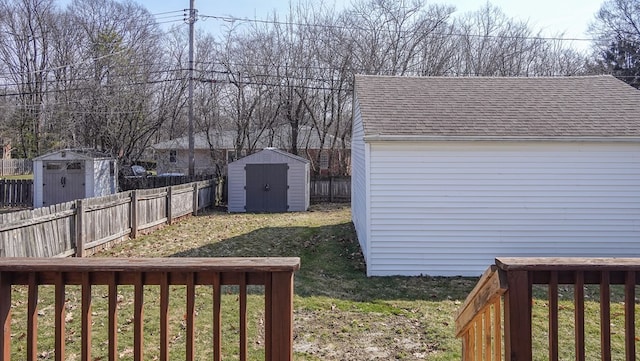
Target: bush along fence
{"points": [[86, 226], [15, 167], [16, 192]]}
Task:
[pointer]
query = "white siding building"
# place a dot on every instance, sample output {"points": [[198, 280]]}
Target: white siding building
{"points": [[450, 173]]}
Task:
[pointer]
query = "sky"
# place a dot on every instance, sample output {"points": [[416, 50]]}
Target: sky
{"points": [[570, 17]]}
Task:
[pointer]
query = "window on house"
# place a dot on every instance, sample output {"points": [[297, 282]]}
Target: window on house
{"points": [[233, 155], [173, 155], [324, 160]]}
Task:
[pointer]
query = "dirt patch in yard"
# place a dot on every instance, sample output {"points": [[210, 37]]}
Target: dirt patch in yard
{"points": [[340, 314], [338, 335]]}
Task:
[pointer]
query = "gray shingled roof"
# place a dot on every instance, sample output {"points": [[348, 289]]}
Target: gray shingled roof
{"points": [[588, 106]]}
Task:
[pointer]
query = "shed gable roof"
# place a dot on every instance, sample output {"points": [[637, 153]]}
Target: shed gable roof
{"points": [[511, 107], [74, 154], [279, 153]]}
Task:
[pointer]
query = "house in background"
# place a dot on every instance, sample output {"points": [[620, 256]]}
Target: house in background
{"points": [[172, 156], [450, 172]]}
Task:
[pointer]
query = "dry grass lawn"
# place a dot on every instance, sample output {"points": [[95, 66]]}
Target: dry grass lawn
{"points": [[340, 314]]}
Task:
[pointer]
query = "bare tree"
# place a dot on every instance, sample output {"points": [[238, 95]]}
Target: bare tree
{"points": [[25, 27], [389, 36], [617, 30], [120, 45]]}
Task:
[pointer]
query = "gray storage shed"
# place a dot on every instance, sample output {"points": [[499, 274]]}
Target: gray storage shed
{"points": [[270, 180], [71, 174]]}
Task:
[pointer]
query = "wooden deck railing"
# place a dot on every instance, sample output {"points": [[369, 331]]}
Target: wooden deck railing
{"points": [[484, 335], [276, 274]]}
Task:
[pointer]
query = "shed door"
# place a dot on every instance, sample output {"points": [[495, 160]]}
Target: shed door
{"points": [[266, 187], [62, 182]]}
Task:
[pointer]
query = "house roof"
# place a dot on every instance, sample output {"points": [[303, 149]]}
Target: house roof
{"points": [[278, 137], [497, 107]]}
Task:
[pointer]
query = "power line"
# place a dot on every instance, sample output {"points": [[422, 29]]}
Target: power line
{"points": [[275, 85], [46, 70], [71, 80], [345, 27], [4, 95], [181, 11]]}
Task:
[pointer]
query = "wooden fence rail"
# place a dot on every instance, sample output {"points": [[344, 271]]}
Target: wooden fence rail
{"points": [[83, 226], [131, 183], [275, 274], [479, 323]]}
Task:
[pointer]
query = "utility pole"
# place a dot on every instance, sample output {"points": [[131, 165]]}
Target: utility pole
{"points": [[192, 20]]}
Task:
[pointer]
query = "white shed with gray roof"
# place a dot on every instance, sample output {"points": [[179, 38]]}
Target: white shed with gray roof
{"points": [[270, 180], [449, 173], [71, 174]]}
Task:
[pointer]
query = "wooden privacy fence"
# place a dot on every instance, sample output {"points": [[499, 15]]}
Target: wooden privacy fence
{"points": [[76, 227], [16, 192], [131, 183], [331, 190], [275, 274], [480, 325], [15, 167]]}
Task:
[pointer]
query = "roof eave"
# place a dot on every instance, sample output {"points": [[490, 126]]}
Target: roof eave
{"points": [[446, 138]]}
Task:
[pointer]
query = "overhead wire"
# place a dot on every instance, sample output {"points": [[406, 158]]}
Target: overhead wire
{"points": [[178, 16], [351, 27], [18, 93]]}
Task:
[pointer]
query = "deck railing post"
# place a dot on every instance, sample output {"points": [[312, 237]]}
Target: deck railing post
{"points": [[281, 321], [517, 317], [5, 317]]}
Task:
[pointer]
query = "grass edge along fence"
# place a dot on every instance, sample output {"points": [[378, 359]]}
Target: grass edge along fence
{"points": [[87, 225]]}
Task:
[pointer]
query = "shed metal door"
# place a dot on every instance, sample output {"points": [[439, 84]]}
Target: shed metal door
{"points": [[62, 182], [266, 187]]}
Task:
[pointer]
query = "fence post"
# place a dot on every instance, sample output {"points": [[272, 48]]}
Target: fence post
{"points": [[79, 228], [517, 317], [134, 214], [5, 317], [3, 185], [213, 183], [195, 198], [331, 189], [169, 205]]}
